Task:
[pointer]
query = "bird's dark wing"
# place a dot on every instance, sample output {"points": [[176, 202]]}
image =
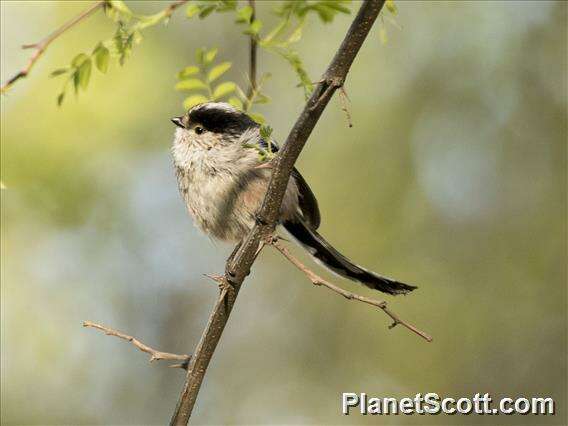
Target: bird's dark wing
{"points": [[307, 200], [308, 203]]}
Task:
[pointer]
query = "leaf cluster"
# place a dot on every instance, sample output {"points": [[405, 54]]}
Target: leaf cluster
{"points": [[128, 33], [79, 70], [265, 146], [391, 7], [204, 8], [202, 81], [326, 10]]}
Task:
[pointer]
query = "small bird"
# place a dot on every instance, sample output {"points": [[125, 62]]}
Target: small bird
{"points": [[217, 151]]}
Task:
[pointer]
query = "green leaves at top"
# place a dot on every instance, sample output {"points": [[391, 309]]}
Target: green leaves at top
{"points": [[254, 28], [84, 74], [117, 10], [236, 102], [191, 84], [119, 6], [204, 8], [199, 78], [193, 100], [102, 57], [391, 6], [78, 60], [326, 10], [187, 72], [59, 71], [266, 132], [192, 10], [244, 15], [199, 52], [388, 18], [209, 57], [224, 89], [218, 70]]}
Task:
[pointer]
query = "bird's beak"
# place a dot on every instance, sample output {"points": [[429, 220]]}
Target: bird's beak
{"points": [[178, 121]]}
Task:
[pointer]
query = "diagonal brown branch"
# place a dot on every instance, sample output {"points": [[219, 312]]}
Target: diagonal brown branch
{"points": [[154, 354], [239, 264], [319, 281], [42, 45]]}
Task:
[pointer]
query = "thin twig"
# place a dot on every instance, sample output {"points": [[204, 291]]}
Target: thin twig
{"points": [[253, 53], [319, 281], [172, 7], [240, 263], [344, 101], [154, 354], [42, 45]]}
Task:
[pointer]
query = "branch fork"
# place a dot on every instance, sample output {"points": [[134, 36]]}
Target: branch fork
{"points": [[327, 86]]}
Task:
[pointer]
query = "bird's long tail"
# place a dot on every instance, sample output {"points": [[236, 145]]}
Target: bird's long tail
{"points": [[321, 250]]}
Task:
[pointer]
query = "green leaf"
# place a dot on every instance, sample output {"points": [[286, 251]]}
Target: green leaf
{"points": [[236, 102], [224, 89], [391, 7], [261, 99], [85, 74], [210, 55], [199, 55], [206, 11], [59, 71], [254, 28], [336, 5], [241, 93], [325, 14], [218, 71], [60, 98], [151, 20], [136, 37], [120, 6], [296, 34], [244, 14], [383, 35], [194, 100], [294, 60], [188, 71], [79, 59], [192, 10], [259, 118], [76, 81], [275, 32], [227, 5], [266, 132], [191, 84], [102, 57]]}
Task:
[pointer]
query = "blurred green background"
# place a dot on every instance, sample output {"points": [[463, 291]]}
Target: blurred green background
{"points": [[453, 177]]}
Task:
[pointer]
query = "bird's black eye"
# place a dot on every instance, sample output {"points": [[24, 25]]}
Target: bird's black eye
{"points": [[199, 130]]}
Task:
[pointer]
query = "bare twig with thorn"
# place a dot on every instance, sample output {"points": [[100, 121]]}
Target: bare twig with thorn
{"points": [[344, 101], [319, 281], [41, 45], [155, 355]]}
